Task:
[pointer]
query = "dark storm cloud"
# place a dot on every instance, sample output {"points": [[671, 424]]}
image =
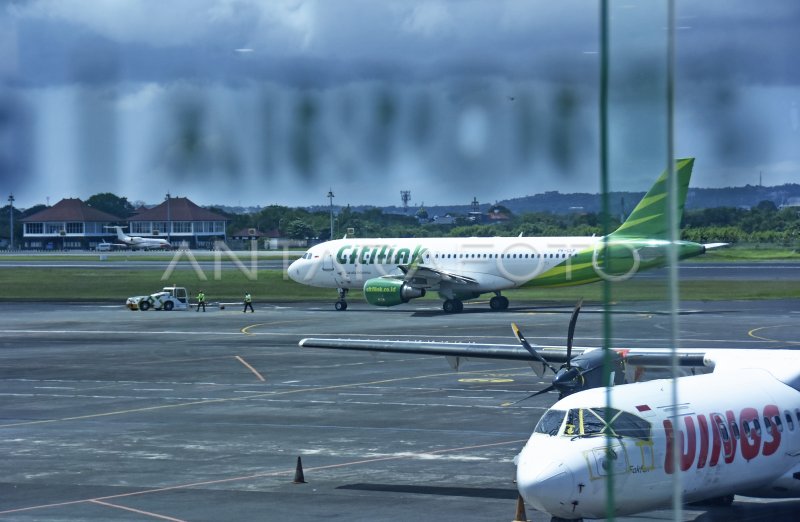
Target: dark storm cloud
{"points": [[497, 98]]}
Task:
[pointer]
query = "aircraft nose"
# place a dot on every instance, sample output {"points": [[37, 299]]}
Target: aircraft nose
{"points": [[547, 485], [294, 271]]}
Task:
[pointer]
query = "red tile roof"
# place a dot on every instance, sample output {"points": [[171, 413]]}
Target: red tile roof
{"points": [[180, 209], [71, 209]]}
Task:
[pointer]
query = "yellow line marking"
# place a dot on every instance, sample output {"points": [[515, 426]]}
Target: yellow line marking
{"points": [[248, 397], [246, 329], [752, 334], [139, 511], [264, 474], [260, 377]]}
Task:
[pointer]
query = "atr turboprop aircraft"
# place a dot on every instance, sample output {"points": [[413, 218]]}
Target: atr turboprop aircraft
{"points": [[396, 270], [137, 242], [737, 424]]}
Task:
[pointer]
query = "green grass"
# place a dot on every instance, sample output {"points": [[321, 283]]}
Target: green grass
{"points": [[750, 253], [75, 284], [125, 257], [72, 284]]}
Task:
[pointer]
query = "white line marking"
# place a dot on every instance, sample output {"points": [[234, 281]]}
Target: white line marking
{"points": [[139, 511], [368, 336]]}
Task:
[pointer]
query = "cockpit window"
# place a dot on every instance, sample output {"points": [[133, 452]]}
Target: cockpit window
{"points": [[550, 423], [588, 422], [307, 255]]}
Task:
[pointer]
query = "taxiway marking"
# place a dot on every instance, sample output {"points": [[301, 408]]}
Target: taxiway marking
{"points": [[139, 511], [368, 336], [246, 329], [258, 375], [752, 334]]}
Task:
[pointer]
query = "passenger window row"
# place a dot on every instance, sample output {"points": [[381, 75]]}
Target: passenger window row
{"points": [[504, 256]]}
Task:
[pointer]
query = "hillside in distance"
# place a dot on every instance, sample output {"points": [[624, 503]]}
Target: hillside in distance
{"points": [[622, 202]]}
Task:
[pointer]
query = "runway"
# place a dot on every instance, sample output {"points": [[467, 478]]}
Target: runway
{"points": [[108, 414]]}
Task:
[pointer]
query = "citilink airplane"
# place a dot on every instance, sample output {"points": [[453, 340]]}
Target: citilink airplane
{"points": [[737, 424], [395, 270]]}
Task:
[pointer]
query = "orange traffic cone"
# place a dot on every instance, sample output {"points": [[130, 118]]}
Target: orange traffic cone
{"points": [[298, 473]]}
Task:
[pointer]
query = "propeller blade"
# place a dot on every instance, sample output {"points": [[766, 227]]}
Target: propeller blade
{"points": [[571, 330], [525, 344], [548, 389]]}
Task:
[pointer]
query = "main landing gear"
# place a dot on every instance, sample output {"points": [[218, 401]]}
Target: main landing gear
{"points": [[341, 304], [452, 306], [498, 302]]}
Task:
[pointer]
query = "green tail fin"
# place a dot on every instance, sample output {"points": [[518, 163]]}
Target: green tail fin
{"points": [[650, 219]]}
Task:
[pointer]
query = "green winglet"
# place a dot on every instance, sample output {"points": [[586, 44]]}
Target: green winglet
{"points": [[650, 219]]}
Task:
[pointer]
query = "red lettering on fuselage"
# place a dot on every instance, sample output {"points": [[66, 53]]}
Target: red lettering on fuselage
{"points": [[724, 432], [771, 412], [703, 454], [751, 437], [686, 453], [733, 428]]}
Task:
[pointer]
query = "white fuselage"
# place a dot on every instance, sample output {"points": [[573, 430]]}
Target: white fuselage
{"points": [[495, 263], [738, 433], [141, 242]]}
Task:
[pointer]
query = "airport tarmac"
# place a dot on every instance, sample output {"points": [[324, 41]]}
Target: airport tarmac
{"points": [[108, 414], [688, 271]]}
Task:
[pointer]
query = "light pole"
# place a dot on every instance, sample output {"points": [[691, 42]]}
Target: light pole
{"points": [[169, 220], [330, 199], [11, 221]]}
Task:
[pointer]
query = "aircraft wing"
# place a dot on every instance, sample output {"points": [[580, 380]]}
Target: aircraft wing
{"points": [[639, 357], [420, 276]]}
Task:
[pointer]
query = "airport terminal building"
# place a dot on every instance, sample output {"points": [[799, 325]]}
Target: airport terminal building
{"points": [[69, 224], [181, 221]]}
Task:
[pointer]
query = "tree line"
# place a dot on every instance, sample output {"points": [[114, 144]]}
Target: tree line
{"points": [[764, 223]]}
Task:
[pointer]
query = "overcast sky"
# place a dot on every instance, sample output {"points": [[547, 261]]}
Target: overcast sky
{"points": [[257, 103]]}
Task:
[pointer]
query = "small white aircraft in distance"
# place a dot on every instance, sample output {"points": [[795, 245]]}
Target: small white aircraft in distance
{"points": [[392, 271], [737, 424], [137, 242]]}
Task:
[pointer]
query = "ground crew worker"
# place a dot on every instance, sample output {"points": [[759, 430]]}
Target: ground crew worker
{"points": [[248, 302], [201, 301]]}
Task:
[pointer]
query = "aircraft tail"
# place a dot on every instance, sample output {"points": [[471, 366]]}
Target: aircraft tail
{"points": [[120, 235], [650, 217]]}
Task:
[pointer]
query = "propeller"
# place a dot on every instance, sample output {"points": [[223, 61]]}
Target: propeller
{"points": [[525, 344], [570, 377], [571, 330]]}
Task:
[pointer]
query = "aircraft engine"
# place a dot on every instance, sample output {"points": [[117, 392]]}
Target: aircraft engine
{"points": [[381, 291]]}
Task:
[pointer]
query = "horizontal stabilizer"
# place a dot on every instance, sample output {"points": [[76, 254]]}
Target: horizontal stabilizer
{"points": [[709, 246]]}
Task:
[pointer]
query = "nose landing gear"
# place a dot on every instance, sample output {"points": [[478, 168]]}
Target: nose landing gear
{"points": [[341, 304]]}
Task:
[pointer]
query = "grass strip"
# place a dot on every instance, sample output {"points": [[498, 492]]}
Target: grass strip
{"points": [[78, 284]]}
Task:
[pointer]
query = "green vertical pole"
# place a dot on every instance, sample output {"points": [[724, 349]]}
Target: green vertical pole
{"points": [[604, 189], [672, 254]]}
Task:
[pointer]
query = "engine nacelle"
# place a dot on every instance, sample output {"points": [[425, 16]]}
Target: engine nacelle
{"points": [[381, 291]]}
